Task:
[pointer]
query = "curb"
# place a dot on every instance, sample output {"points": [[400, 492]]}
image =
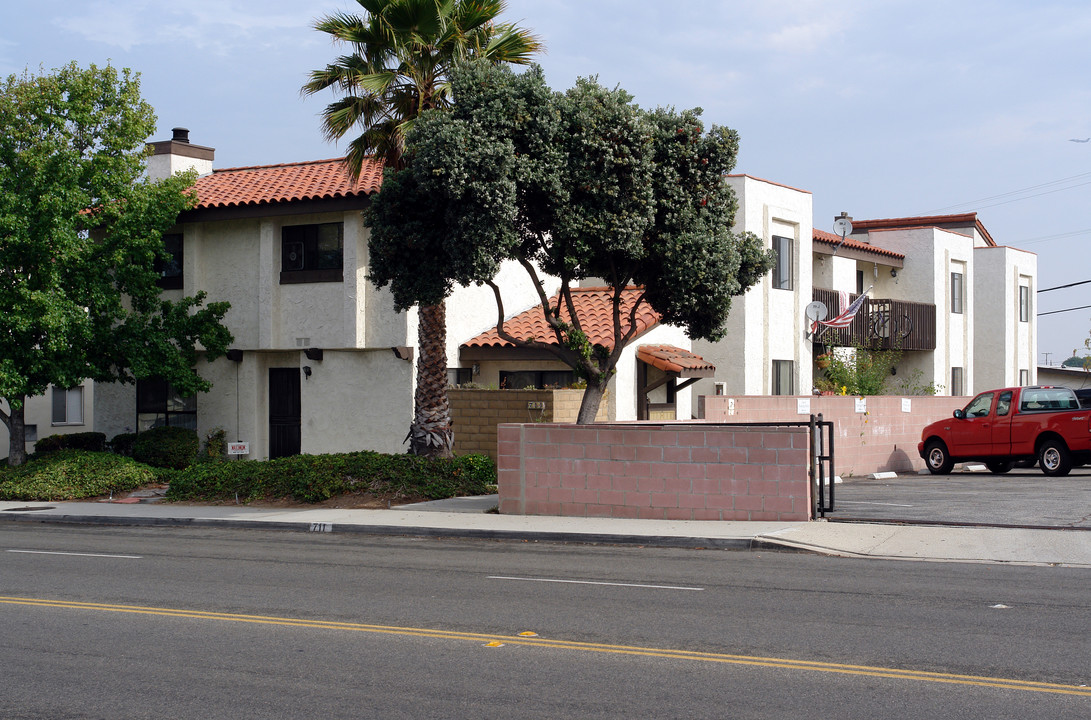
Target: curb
{"points": [[666, 541]]}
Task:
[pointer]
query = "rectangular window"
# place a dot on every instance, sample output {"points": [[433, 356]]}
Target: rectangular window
{"points": [[956, 292], [312, 253], [540, 379], [158, 403], [859, 282], [956, 382], [31, 433], [1024, 303], [782, 271], [68, 406], [170, 269], [1024, 378], [783, 377], [459, 376]]}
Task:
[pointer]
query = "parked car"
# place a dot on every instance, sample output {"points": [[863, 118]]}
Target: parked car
{"points": [[1009, 425]]}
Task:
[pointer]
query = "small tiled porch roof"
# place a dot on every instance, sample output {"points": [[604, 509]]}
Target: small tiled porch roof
{"points": [[675, 361], [825, 242]]}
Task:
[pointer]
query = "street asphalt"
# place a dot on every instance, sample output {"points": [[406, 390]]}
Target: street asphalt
{"points": [[1022, 517]]}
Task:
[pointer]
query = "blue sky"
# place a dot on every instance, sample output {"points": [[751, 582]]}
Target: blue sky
{"points": [[881, 108]]}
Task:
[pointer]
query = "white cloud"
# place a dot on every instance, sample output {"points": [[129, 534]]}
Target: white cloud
{"points": [[210, 25]]}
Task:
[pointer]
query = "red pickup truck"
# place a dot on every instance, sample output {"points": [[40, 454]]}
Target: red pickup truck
{"points": [[1002, 427]]}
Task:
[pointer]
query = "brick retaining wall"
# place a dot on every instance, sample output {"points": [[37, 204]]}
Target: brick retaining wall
{"points": [[672, 471], [882, 439]]}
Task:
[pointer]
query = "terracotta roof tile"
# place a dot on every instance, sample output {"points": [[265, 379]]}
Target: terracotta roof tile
{"points": [[675, 360], [831, 239], [265, 184], [593, 306]]}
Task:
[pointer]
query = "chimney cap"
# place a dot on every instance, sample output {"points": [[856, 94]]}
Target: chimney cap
{"points": [[181, 134]]}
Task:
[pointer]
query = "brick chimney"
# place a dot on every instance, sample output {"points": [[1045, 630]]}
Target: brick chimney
{"points": [[178, 155]]}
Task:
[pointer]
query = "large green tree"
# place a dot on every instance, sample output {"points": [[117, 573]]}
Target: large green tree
{"points": [[80, 232], [402, 52], [578, 185]]}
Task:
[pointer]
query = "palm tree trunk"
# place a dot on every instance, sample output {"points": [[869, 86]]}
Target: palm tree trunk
{"points": [[430, 434], [17, 445]]}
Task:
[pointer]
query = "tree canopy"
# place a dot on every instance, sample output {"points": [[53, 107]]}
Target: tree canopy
{"points": [[80, 232], [578, 185]]}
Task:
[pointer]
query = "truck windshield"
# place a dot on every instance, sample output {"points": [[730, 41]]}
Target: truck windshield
{"points": [[1034, 399]]}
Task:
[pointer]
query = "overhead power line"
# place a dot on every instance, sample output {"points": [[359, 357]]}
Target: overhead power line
{"points": [[1062, 287], [1009, 197], [1054, 312]]}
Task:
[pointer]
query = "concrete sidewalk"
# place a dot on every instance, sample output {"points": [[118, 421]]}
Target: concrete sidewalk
{"points": [[464, 517]]}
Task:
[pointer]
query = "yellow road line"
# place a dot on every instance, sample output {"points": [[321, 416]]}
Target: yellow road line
{"points": [[753, 661]]}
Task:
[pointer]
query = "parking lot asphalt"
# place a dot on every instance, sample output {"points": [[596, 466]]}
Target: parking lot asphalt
{"points": [[1019, 498]]}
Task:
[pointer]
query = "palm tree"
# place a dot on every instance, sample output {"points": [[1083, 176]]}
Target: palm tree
{"points": [[402, 52]]}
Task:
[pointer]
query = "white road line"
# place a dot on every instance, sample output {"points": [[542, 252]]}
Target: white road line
{"points": [[591, 582], [49, 552], [862, 502]]}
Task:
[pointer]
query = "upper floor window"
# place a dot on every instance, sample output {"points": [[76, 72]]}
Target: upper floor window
{"points": [[312, 253], [1024, 303], [170, 269], [782, 271], [956, 292], [68, 406]]}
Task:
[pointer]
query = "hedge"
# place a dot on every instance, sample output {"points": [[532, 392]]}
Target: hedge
{"points": [[166, 447], [72, 475], [314, 478], [93, 441]]}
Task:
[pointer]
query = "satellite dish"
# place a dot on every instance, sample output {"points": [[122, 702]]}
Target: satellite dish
{"points": [[816, 311]]}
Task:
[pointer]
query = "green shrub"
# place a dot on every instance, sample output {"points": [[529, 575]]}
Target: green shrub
{"points": [[215, 448], [122, 444], [90, 441], [71, 475], [166, 447], [314, 478]]}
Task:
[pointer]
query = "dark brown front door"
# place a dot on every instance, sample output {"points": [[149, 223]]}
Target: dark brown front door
{"points": [[284, 412]]}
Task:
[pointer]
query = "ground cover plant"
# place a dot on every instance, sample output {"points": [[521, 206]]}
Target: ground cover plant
{"points": [[72, 475], [359, 479]]}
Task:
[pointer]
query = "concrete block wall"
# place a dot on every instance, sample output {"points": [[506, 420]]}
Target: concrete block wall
{"points": [[882, 438], [642, 470], [475, 413]]}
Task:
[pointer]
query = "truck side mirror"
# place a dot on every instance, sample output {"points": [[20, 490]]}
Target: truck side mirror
{"points": [[959, 415]]}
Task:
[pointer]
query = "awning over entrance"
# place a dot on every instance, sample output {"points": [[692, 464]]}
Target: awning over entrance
{"points": [[674, 363]]}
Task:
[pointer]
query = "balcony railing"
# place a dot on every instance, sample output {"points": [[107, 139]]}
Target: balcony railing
{"points": [[881, 324]]}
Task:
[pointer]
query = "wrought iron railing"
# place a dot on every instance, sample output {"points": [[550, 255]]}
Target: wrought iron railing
{"points": [[881, 324]]}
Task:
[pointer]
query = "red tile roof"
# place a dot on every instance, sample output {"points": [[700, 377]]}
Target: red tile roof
{"points": [[594, 308], [831, 239], [675, 360], [265, 184], [939, 221]]}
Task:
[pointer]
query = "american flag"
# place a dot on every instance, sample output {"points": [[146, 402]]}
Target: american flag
{"points": [[848, 312]]}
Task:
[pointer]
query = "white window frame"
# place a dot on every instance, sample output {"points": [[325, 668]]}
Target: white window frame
{"points": [[958, 292], [784, 269], [782, 371], [67, 406]]}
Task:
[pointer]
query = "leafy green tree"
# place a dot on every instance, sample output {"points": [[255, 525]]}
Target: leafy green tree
{"points": [[80, 231], [402, 52], [581, 185]]}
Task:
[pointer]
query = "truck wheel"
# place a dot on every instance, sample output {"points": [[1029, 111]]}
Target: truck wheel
{"points": [[999, 467], [1054, 458], [937, 459]]}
